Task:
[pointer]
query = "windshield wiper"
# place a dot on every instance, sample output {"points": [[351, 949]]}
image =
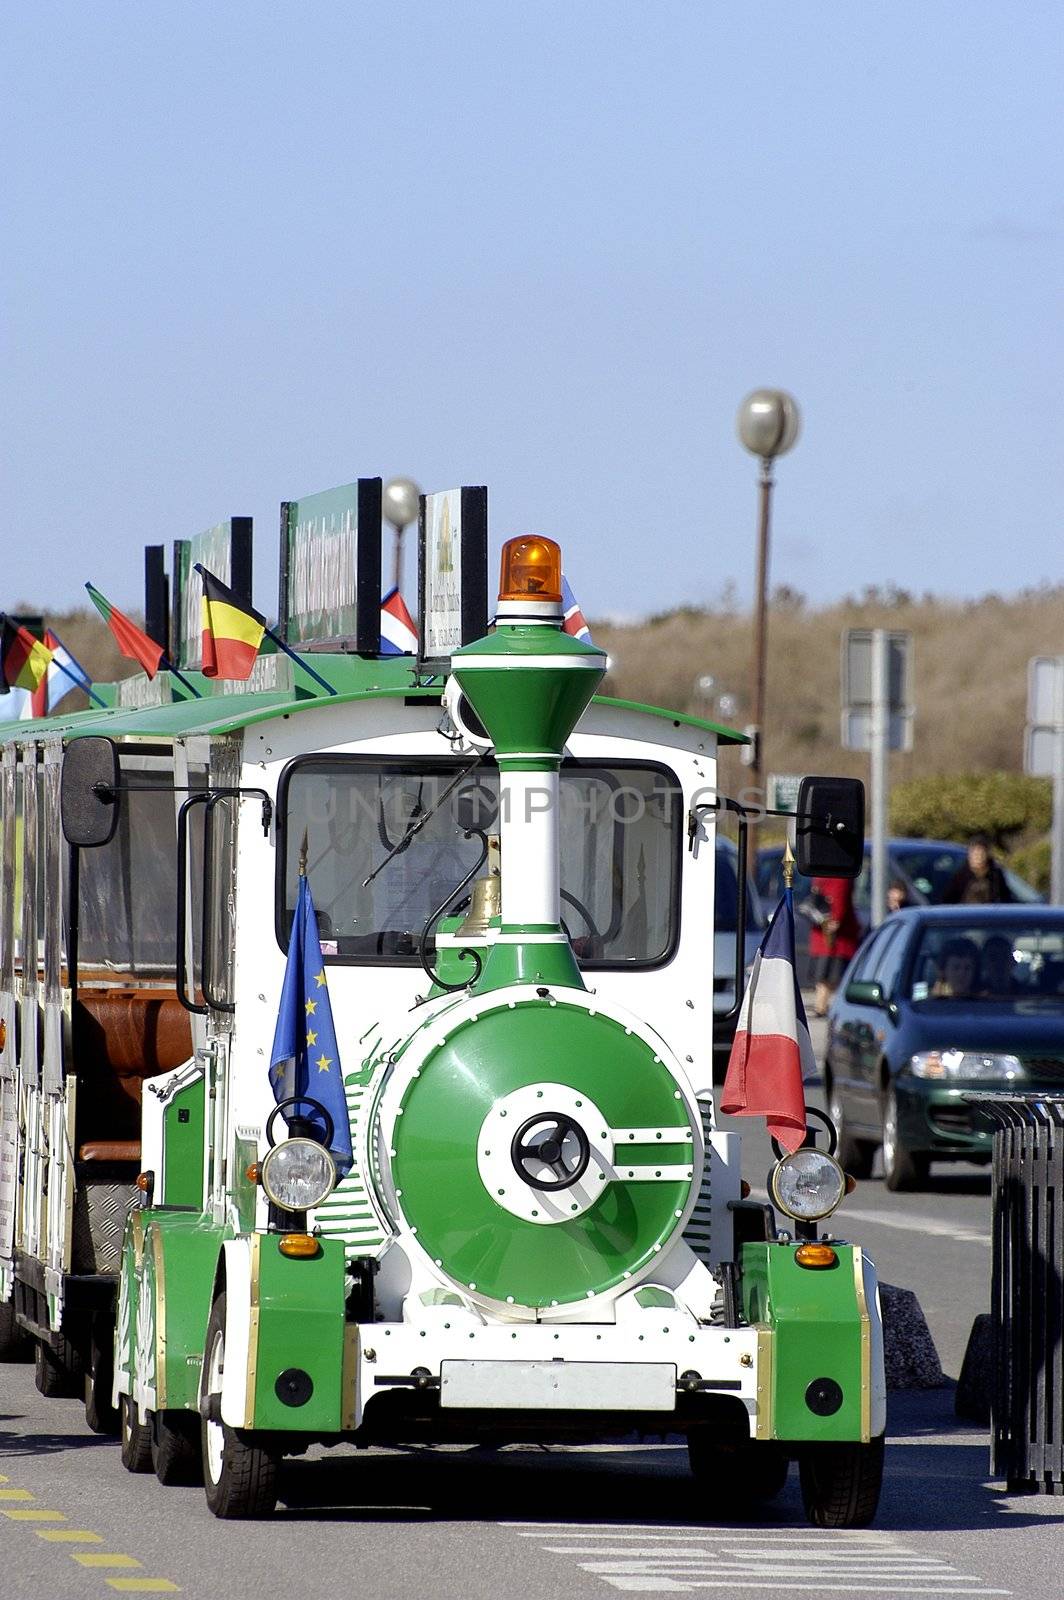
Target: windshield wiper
{"points": [[415, 825]]}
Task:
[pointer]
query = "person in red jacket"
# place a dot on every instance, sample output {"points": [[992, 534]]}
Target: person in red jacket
{"points": [[835, 940]]}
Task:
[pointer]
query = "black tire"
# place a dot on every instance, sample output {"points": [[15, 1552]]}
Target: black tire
{"points": [[57, 1373], [135, 1436], [175, 1447], [100, 1415], [902, 1167], [239, 1476], [15, 1343], [854, 1156], [841, 1483], [748, 1473]]}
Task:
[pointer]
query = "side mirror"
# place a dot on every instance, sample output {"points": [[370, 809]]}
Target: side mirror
{"points": [[89, 792], [865, 994], [829, 827]]}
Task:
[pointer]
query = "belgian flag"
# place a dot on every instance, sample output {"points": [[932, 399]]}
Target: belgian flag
{"points": [[232, 630], [24, 660]]}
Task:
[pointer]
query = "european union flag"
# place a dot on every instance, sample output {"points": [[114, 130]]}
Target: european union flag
{"points": [[305, 1058]]}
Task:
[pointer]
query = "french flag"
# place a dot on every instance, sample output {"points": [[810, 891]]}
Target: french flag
{"points": [[573, 619], [772, 1052], [398, 633]]}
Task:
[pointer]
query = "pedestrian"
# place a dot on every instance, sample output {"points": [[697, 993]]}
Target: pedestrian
{"points": [[980, 881], [897, 895], [834, 941]]}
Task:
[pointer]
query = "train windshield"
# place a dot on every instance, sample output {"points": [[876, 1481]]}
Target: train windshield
{"points": [[403, 825]]}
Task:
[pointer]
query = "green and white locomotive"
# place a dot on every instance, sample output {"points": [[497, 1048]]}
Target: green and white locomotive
{"points": [[541, 1233]]}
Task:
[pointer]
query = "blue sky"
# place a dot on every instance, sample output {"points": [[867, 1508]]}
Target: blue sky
{"points": [[255, 250]]}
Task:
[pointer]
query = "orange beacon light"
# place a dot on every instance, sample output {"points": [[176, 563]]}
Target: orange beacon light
{"points": [[531, 570]]}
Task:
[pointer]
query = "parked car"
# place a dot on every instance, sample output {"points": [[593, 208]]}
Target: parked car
{"points": [[925, 866], [938, 1001], [725, 915]]}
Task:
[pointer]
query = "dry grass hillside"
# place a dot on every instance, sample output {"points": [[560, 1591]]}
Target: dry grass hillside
{"points": [[970, 673], [970, 662]]}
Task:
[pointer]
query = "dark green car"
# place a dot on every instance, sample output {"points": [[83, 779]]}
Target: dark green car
{"points": [[938, 1001]]}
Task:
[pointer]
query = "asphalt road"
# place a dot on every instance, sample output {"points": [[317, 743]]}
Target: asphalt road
{"points": [[545, 1524]]}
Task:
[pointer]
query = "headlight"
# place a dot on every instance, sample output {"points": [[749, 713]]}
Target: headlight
{"points": [[970, 1064], [298, 1174], [808, 1184]]}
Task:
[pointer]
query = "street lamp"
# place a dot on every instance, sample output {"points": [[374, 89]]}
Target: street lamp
{"points": [[768, 425], [399, 502]]}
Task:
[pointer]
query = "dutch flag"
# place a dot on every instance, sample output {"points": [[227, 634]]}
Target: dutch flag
{"points": [[772, 1053], [398, 633]]}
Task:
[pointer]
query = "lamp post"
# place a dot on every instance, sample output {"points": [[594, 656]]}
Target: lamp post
{"points": [[399, 502], [768, 425]]}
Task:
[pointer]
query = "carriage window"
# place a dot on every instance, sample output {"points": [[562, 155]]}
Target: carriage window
{"points": [[128, 887], [621, 830]]}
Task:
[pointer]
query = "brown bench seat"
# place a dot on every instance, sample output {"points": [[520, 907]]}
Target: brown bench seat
{"points": [[122, 1036]]}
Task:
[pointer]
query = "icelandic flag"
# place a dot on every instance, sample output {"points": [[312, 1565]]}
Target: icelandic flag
{"points": [[65, 672], [573, 619], [305, 1058], [772, 1053], [398, 633]]}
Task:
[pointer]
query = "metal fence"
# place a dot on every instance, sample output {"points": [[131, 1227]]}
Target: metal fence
{"points": [[1027, 1291]]}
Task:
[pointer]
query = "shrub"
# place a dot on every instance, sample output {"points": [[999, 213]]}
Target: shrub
{"points": [[1000, 804], [1034, 862]]}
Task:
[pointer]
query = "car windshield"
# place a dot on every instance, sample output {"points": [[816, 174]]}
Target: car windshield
{"points": [[995, 962]]}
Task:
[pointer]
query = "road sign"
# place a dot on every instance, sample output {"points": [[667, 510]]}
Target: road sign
{"points": [[1043, 748], [783, 791], [857, 689]]}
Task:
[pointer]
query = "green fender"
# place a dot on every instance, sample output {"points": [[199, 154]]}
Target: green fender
{"points": [[174, 1256], [817, 1325], [286, 1316]]}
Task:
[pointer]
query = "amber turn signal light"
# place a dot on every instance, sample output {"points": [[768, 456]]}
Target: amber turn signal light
{"points": [[815, 1255], [744, 1189], [531, 569], [299, 1246], [143, 1181], [851, 1183], [253, 1173]]}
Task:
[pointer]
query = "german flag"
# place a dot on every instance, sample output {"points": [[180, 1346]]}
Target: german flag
{"points": [[133, 642], [232, 630], [23, 659]]}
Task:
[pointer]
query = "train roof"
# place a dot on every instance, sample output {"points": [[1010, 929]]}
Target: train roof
{"points": [[221, 711]]}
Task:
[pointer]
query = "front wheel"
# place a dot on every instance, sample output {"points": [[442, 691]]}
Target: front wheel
{"points": [[100, 1414], [239, 1477], [841, 1483], [902, 1167]]}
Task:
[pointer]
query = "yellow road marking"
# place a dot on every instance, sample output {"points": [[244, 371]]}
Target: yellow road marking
{"points": [[15, 1494], [3, 1479], [144, 1585], [96, 1558], [69, 1535], [34, 1516]]}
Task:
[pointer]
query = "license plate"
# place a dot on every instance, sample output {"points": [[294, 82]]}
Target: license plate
{"points": [[558, 1385]]}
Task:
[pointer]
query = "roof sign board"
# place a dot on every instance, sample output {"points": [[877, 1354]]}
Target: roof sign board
{"points": [[452, 574], [330, 580], [224, 550]]}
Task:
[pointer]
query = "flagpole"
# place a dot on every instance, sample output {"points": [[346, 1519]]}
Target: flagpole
{"points": [[279, 642], [79, 683], [84, 682], [168, 666]]}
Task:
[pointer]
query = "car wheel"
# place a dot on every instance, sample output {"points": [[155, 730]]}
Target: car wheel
{"points": [[902, 1168], [239, 1475], [841, 1482], [854, 1155]]}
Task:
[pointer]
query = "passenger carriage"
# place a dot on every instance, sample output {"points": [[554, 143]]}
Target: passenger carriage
{"points": [[542, 1234]]}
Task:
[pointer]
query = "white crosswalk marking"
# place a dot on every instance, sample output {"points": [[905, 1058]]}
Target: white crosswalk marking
{"points": [[652, 1559]]}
